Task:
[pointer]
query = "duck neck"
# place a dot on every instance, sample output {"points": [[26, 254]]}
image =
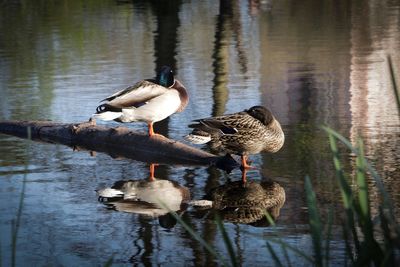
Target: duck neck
{"points": [[183, 95]]}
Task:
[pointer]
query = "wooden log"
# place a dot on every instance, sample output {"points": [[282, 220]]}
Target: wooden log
{"points": [[117, 142]]}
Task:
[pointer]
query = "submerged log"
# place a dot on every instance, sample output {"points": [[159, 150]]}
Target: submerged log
{"points": [[117, 142]]}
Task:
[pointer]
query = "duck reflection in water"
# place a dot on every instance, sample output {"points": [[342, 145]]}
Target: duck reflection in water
{"points": [[247, 203], [151, 197], [251, 131]]}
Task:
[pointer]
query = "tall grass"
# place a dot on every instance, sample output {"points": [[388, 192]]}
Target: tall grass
{"points": [[15, 225], [365, 238], [367, 241], [364, 244], [394, 84], [199, 239]]}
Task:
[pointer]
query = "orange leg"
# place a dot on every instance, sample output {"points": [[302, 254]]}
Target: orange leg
{"points": [[151, 130], [244, 163], [152, 168], [244, 178]]}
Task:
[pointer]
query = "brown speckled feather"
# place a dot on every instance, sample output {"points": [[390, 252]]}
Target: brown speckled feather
{"points": [[242, 133]]}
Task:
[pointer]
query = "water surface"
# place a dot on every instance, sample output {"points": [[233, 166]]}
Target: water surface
{"points": [[312, 63]]}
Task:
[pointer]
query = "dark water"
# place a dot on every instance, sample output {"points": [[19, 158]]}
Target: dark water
{"points": [[312, 63]]}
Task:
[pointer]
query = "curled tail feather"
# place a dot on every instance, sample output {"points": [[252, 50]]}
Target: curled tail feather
{"points": [[107, 107], [107, 112]]}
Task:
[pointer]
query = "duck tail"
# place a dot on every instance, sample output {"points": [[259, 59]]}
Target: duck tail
{"points": [[109, 193], [198, 137], [107, 116], [107, 112]]}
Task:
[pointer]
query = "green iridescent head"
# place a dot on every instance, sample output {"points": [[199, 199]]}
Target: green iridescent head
{"points": [[165, 77]]}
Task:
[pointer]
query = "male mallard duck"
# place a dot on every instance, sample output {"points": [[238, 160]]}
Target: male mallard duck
{"points": [[152, 197], [149, 100], [248, 132]]}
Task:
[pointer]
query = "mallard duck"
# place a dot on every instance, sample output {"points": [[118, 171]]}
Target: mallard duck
{"points": [[145, 197], [247, 203], [152, 197], [149, 100], [240, 202], [248, 132]]}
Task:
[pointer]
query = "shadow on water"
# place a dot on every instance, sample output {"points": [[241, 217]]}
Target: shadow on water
{"points": [[234, 201], [166, 13], [228, 24], [152, 199], [143, 197], [247, 203], [165, 41]]}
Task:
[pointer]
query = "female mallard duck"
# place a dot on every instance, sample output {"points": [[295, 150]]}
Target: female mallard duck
{"points": [[248, 132], [247, 204], [148, 100]]}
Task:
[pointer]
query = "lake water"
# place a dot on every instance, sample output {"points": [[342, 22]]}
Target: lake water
{"points": [[312, 63]]}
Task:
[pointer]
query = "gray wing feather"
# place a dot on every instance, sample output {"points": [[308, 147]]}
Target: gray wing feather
{"points": [[136, 95]]}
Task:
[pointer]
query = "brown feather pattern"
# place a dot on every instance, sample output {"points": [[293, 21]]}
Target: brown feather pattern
{"points": [[242, 133]]}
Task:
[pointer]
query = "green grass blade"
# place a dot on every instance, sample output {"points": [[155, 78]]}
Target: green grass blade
{"points": [[347, 194], [374, 174], [29, 133], [269, 218], [344, 186], [314, 221], [394, 84], [363, 199], [227, 241], [274, 256], [195, 235], [284, 248], [16, 225], [388, 242], [285, 253], [348, 248], [364, 215], [109, 262], [328, 236], [373, 250], [341, 138], [293, 249], [345, 189], [387, 202]]}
